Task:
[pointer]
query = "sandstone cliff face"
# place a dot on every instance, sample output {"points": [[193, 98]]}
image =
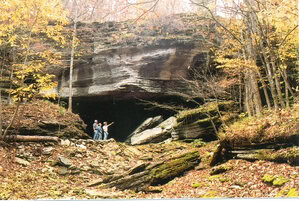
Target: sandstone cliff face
{"points": [[126, 60]]}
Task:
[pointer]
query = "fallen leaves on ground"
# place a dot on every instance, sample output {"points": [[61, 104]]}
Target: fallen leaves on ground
{"points": [[40, 179]]}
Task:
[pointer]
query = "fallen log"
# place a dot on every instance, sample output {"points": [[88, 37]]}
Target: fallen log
{"points": [[151, 174], [250, 151], [248, 156], [246, 150], [286, 155], [26, 138]]}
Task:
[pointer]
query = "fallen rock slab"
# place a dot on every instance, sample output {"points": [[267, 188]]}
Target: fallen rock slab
{"points": [[147, 124], [151, 173], [22, 161], [149, 136]]}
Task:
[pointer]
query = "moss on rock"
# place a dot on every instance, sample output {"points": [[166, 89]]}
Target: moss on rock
{"points": [[271, 127], [201, 112], [288, 155], [267, 178], [280, 180], [210, 194], [275, 180], [174, 167], [220, 169], [293, 192], [288, 192], [202, 121], [196, 185], [198, 143]]}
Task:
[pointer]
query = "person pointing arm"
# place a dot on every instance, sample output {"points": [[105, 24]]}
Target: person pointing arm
{"points": [[105, 129]]}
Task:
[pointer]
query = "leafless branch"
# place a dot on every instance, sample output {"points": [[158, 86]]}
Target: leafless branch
{"points": [[217, 21], [151, 105]]}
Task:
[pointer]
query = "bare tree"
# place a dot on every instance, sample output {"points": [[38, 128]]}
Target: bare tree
{"points": [[80, 10]]}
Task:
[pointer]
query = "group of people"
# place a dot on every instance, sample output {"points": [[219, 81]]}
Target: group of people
{"points": [[100, 130]]}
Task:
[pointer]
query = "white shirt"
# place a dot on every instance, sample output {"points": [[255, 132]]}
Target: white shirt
{"points": [[105, 128]]}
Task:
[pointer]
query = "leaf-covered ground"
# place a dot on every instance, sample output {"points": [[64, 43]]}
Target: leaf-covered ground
{"points": [[243, 180], [271, 127], [42, 179], [41, 117], [32, 170]]}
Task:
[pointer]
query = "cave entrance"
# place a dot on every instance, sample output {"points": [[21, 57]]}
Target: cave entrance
{"points": [[127, 115]]}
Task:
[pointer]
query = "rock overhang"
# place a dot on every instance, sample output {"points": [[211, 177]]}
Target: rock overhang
{"points": [[158, 70], [127, 60], [112, 75]]}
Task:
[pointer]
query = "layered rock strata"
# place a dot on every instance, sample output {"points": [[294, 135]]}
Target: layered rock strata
{"points": [[129, 61]]}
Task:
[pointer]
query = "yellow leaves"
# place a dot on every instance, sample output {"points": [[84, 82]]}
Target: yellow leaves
{"points": [[27, 24], [236, 63], [31, 16], [50, 96], [272, 27], [33, 83], [31, 79]]}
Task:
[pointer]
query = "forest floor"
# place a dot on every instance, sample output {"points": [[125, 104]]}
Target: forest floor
{"points": [[64, 170], [40, 179], [244, 180]]}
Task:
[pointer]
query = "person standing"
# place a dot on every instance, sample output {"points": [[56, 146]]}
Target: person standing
{"points": [[100, 131], [95, 131], [105, 129]]}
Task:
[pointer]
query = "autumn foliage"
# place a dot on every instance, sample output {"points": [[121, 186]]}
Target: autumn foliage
{"points": [[26, 26], [258, 47]]}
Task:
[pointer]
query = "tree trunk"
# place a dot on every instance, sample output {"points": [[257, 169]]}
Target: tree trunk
{"points": [[286, 156], [287, 95], [240, 92], [277, 82], [256, 94], [286, 81], [267, 64], [9, 99], [11, 77], [24, 138], [72, 59], [2, 62], [12, 119], [264, 87], [251, 55], [0, 112], [274, 69], [247, 98], [269, 76]]}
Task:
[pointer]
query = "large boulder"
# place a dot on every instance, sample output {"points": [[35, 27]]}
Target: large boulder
{"points": [[147, 124], [202, 122], [149, 135], [157, 134]]}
